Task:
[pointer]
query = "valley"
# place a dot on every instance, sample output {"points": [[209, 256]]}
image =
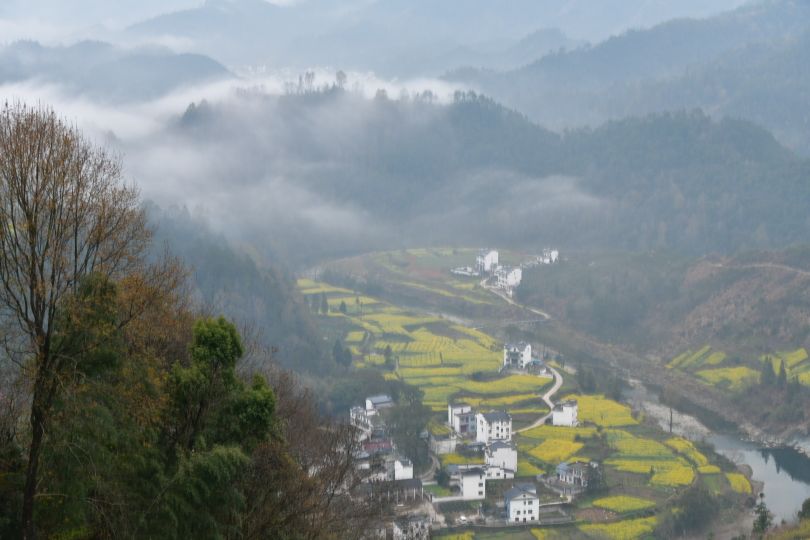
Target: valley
{"points": [[456, 359]]}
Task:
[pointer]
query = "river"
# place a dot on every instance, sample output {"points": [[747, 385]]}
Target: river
{"points": [[785, 472]]}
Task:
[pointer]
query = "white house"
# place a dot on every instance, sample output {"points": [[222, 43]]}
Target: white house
{"points": [[550, 256], [400, 469], [501, 454], [508, 277], [375, 403], [493, 426], [486, 261], [473, 484], [565, 414], [517, 355], [574, 474], [522, 504], [360, 419], [461, 419]]}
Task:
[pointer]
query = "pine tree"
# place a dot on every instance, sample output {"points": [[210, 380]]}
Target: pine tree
{"points": [[782, 379], [763, 519]]}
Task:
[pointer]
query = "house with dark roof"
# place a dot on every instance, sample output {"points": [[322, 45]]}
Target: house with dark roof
{"points": [[522, 504]]}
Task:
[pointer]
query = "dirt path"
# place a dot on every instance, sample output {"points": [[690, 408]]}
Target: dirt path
{"points": [[558, 382], [434, 466]]}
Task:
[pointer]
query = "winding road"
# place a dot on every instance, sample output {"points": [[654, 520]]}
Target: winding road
{"points": [[558, 382]]}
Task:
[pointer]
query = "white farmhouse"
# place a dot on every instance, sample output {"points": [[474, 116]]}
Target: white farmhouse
{"points": [[400, 469], [503, 455], [508, 277], [550, 256], [461, 418], [486, 261], [517, 355], [360, 419], [376, 403], [522, 504], [493, 426], [565, 414], [473, 484]]}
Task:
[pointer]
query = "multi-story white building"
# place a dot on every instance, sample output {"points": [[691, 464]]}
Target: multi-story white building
{"points": [[493, 426], [461, 419], [486, 261], [517, 355], [565, 414], [473, 484], [503, 455], [522, 504], [360, 419], [508, 277]]}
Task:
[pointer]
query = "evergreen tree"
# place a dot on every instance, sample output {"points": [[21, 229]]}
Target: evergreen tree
{"points": [[763, 519], [343, 309], [324, 304], [782, 378], [766, 375]]}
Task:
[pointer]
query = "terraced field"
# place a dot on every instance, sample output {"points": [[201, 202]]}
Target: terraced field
{"points": [[717, 369], [445, 360], [450, 362]]}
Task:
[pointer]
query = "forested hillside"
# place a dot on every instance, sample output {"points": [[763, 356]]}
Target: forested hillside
{"points": [[681, 64], [224, 281], [348, 174]]}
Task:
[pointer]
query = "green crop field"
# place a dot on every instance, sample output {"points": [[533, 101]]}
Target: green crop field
{"points": [[630, 529]]}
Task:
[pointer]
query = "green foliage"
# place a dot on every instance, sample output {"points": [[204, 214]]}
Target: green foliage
{"points": [[763, 518], [804, 513], [693, 510]]}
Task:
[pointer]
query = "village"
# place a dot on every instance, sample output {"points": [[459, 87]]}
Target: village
{"points": [[519, 441], [486, 437], [502, 277]]}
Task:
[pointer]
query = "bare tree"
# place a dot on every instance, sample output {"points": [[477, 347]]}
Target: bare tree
{"points": [[65, 214]]}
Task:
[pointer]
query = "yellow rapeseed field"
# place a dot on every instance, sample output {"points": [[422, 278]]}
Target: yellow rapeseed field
{"points": [[555, 450], [604, 412], [623, 503], [738, 482]]}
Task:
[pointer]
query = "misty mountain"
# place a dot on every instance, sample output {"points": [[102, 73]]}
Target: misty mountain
{"points": [[397, 37], [320, 175], [226, 281], [103, 72], [679, 64]]}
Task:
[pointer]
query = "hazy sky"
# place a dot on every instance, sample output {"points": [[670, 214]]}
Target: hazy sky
{"points": [[67, 20]]}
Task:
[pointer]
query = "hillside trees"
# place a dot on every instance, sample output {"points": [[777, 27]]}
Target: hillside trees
{"points": [[140, 422], [65, 215]]}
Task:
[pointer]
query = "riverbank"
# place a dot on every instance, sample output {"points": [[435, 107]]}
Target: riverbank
{"points": [[782, 473]]}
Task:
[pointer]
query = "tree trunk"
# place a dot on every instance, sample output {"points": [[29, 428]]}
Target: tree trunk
{"points": [[37, 432]]}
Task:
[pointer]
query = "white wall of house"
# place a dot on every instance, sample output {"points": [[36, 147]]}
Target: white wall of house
{"points": [[565, 414], [487, 260], [517, 354], [403, 469], [461, 419], [487, 432], [523, 508], [503, 457], [473, 485]]}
